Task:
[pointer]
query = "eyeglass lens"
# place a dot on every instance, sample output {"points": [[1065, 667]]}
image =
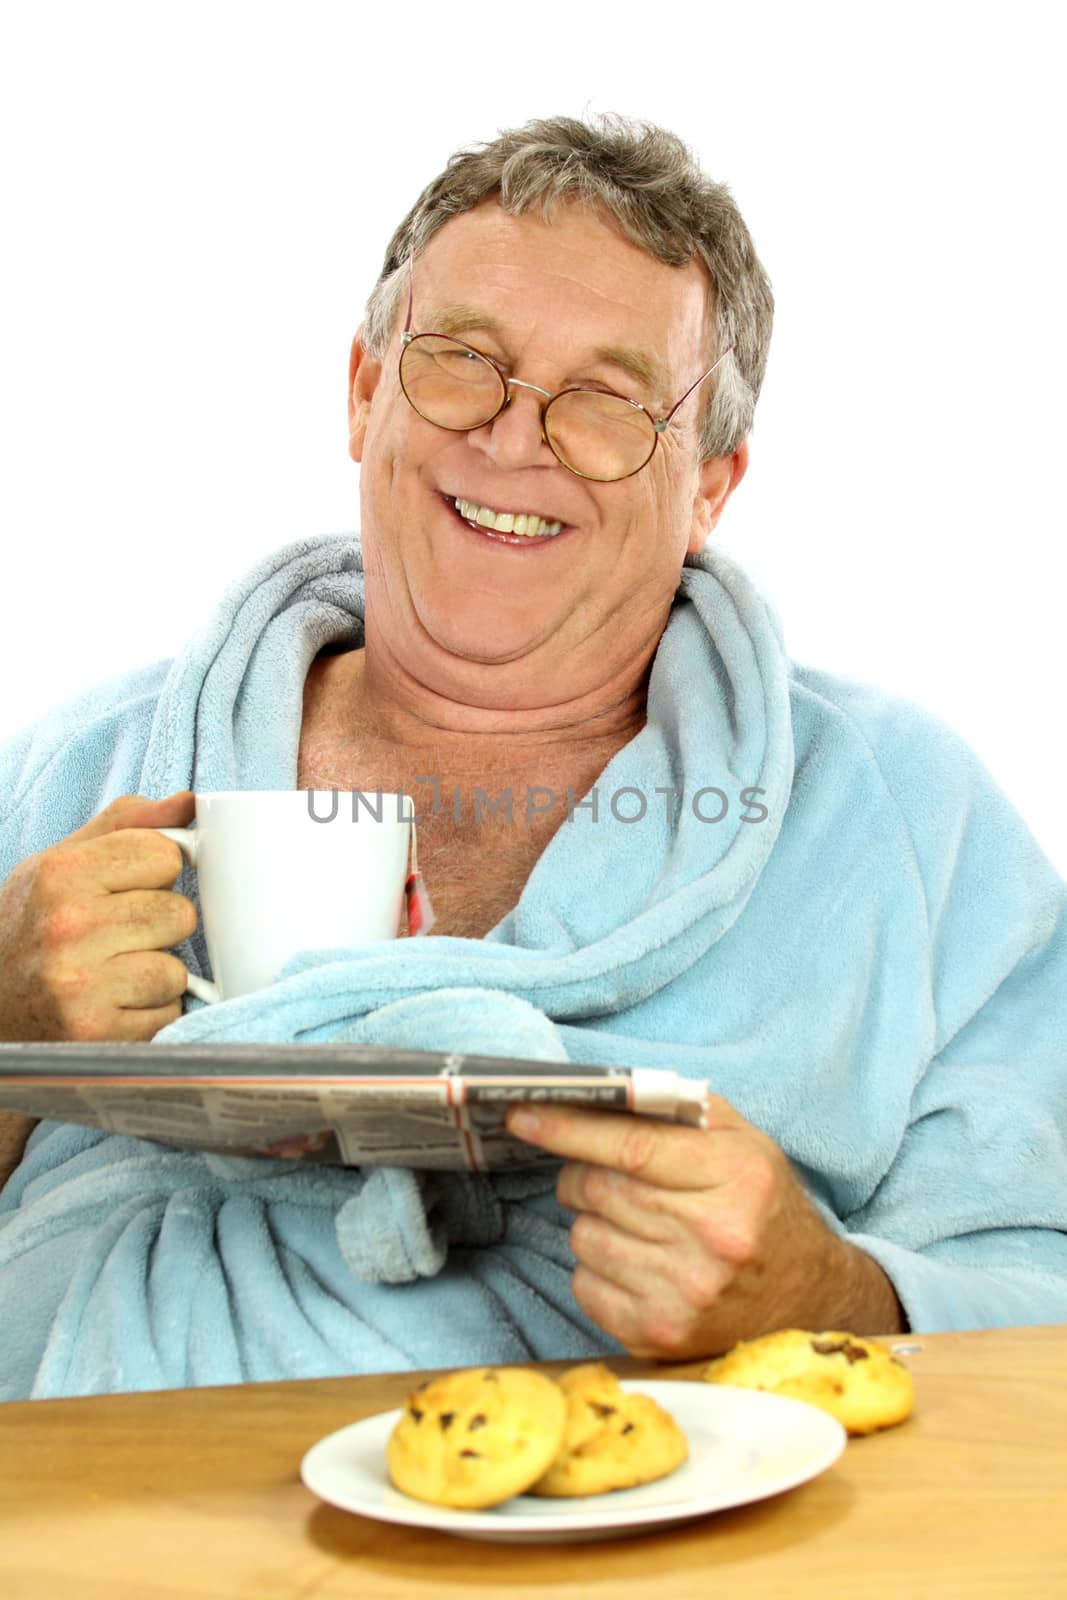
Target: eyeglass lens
{"points": [[600, 436]]}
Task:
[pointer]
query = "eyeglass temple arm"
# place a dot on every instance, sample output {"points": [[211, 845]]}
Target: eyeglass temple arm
{"points": [[665, 421], [406, 336]]}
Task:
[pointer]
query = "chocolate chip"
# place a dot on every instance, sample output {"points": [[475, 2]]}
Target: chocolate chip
{"points": [[477, 1422], [491, 1377], [446, 1419], [601, 1410], [413, 1411], [629, 1428], [827, 1347], [851, 1352], [474, 1455]]}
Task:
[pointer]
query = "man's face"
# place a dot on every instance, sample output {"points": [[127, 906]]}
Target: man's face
{"points": [[550, 616]]}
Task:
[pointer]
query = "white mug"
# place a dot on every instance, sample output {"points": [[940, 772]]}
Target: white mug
{"points": [[278, 874]]}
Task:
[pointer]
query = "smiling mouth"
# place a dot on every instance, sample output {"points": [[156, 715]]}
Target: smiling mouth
{"points": [[510, 527]]}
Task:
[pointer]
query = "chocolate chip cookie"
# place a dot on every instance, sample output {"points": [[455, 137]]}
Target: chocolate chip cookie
{"points": [[858, 1381], [475, 1438], [611, 1439]]}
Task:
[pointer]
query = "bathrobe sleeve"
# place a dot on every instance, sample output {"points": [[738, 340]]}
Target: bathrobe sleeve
{"points": [[970, 1222]]}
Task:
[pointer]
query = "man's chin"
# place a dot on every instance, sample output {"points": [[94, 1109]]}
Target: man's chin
{"points": [[474, 638], [479, 648]]}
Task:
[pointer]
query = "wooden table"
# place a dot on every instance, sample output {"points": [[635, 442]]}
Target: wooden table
{"points": [[196, 1493]]}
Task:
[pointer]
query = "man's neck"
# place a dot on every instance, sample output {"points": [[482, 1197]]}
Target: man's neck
{"points": [[362, 699]]}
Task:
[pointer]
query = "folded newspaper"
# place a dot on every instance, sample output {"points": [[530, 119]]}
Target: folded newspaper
{"points": [[348, 1105]]}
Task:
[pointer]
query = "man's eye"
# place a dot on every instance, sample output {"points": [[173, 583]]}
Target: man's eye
{"points": [[458, 357], [452, 360]]}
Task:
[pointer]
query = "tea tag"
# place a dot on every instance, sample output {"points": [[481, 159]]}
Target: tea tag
{"points": [[420, 912]]}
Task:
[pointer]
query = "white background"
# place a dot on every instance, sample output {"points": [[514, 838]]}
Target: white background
{"points": [[196, 202]]}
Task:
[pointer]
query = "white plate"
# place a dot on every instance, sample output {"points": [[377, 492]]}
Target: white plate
{"points": [[743, 1445]]}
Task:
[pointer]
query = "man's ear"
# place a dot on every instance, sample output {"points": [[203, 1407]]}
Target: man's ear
{"points": [[718, 478], [364, 372]]}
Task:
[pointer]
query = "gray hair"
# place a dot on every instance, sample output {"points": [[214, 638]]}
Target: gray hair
{"points": [[650, 186]]}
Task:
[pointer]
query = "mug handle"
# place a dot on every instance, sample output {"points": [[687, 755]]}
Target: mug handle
{"points": [[187, 842]]}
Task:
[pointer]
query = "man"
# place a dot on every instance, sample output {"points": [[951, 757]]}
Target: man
{"points": [[550, 403]]}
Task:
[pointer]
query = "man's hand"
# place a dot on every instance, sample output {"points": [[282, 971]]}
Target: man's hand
{"points": [[690, 1240], [85, 927]]}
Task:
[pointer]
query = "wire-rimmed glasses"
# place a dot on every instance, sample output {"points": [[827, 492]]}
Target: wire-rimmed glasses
{"points": [[594, 433]]}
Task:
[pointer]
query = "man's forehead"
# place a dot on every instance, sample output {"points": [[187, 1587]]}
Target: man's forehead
{"points": [[635, 318]]}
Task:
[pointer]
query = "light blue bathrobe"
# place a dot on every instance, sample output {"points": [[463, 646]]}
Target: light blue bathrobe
{"points": [[875, 973]]}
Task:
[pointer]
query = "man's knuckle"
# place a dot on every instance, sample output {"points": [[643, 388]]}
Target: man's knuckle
{"points": [[85, 1024], [63, 981], [168, 976], [186, 917], [584, 1291], [758, 1175], [636, 1149], [143, 976], [594, 1186], [62, 924], [663, 1332], [158, 853], [699, 1286], [51, 872], [144, 850], [73, 1000], [584, 1238], [738, 1241]]}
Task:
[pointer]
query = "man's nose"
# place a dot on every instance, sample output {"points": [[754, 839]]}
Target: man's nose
{"points": [[514, 438]]}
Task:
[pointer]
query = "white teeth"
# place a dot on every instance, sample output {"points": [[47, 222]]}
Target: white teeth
{"points": [[527, 523]]}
